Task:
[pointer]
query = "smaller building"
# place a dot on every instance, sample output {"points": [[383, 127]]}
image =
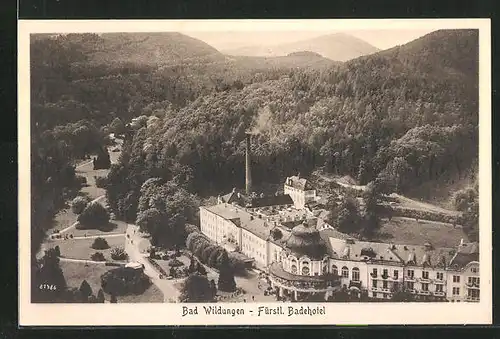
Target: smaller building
{"points": [[463, 274], [300, 190]]}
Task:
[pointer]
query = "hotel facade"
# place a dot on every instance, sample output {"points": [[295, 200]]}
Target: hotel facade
{"points": [[304, 255]]}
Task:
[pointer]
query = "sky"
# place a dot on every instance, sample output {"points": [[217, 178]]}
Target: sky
{"points": [[381, 39]]}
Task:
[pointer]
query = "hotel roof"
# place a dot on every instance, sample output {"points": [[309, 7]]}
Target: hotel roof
{"points": [[248, 221], [352, 249]]}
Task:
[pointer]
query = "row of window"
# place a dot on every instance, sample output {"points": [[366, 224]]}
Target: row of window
{"points": [[410, 274]]}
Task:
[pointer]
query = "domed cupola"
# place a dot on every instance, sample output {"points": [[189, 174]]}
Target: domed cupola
{"points": [[306, 240]]}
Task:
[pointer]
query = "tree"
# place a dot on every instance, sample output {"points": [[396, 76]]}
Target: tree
{"points": [[398, 172], [103, 160], [113, 299], [213, 287], [94, 216], [98, 256], [276, 234], [402, 295], [371, 196], [100, 296], [118, 253], [189, 228], [192, 266], [196, 288], [348, 219], [49, 282], [226, 275], [215, 257], [150, 220], [117, 126], [200, 269], [341, 295], [57, 251], [85, 290], [100, 244], [79, 204]]}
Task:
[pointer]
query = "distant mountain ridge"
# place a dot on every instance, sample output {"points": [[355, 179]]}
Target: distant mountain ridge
{"points": [[337, 47]]}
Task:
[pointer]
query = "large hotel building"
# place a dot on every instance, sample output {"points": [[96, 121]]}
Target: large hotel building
{"points": [[304, 255]]}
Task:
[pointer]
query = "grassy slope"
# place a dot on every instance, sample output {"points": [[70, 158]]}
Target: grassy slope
{"points": [[75, 273], [81, 248]]}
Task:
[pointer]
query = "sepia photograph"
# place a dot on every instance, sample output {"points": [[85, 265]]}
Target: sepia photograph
{"points": [[250, 170]]}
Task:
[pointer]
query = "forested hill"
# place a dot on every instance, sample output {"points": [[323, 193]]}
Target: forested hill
{"points": [[337, 47], [139, 48], [385, 116], [407, 116], [449, 55]]}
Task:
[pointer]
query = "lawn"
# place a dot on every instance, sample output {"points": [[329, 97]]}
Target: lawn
{"points": [[75, 273], [116, 227], [63, 219], [411, 232], [151, 295], [81, 248]]}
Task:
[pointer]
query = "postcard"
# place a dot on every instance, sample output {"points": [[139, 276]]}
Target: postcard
{"points": [[254, 172]]}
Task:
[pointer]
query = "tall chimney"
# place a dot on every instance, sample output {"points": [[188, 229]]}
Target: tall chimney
{"points": [[248, 159]]}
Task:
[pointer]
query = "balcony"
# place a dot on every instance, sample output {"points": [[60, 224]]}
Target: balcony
{"points": [[424, 280], [412, 278], [373, 275], [437, 281], [424, 292], [300, 282], [439, 294], [472, 285], [356, 284], [471, 298], [385, 290], [385, 276]]}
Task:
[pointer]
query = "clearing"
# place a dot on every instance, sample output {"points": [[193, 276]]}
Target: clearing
{"points": [[412, 232]]}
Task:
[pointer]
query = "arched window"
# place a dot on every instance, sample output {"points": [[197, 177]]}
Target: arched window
{"points": [[345, 272], [355, 274], [335, 270], [305, 270], [294, 269]]}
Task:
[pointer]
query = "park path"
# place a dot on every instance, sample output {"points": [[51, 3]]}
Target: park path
{"points": [[111, 235], [82, 261], [170, 292]]}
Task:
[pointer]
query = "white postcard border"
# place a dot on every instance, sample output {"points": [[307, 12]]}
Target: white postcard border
{"points": [[336, 313]]}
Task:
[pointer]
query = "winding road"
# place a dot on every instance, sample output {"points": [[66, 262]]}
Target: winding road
{"points": [[167, 287]]}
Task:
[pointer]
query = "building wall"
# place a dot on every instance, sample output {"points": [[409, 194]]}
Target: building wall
{"points": [[303, 265], [300, 197], [381, 288], [350, 265], [254, 247], [218, 228], [273, 252], [459, 287], [434, 285]]}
